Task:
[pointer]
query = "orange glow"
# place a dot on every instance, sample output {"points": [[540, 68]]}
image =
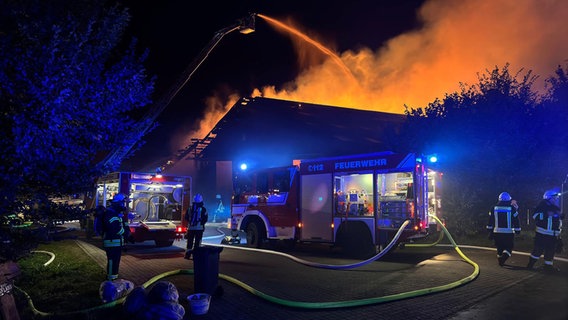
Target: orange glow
{"points": [[217, 108], [457, 40], [300, 225]]}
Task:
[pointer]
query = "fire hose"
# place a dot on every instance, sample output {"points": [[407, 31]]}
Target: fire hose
{"points": [[303, 304], [367, 301], [344, 266]]}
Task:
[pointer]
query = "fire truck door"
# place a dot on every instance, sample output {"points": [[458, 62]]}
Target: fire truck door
{"points": [[316, 207]]}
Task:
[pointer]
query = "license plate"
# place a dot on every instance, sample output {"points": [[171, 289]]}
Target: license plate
{"points": [[5, 288]]}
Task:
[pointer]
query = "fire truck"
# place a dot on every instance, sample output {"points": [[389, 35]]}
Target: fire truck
{"points": [[156, 203], [352, 201]]}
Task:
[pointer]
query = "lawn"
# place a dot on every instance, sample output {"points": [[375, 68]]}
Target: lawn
{"points": [[69, 283]]}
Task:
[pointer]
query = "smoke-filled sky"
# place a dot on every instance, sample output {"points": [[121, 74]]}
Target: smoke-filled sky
{"points": [[457, 40], [397, 53]]}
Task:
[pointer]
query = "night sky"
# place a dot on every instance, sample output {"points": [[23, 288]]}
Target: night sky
{"points": [[399, 52], [175, 32]]}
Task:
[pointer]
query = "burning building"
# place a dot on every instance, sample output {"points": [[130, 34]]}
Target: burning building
{"points": [[269, 132]]}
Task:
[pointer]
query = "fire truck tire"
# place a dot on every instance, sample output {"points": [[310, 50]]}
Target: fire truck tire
{"points": [[254, 234], [162, 243]]}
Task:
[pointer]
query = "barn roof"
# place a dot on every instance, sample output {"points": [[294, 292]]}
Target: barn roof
{"points": [[278, 131]]}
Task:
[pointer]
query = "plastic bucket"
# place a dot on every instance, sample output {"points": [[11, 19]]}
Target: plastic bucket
{"points": [[199, 303]]}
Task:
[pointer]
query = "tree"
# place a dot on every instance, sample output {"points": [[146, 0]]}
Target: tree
{"points": [[71, 88], [68, 88], [551, 129], [554, 134], [491, 137]]}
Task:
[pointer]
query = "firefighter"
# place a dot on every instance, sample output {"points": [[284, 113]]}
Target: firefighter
{"points": [[548, 225], [115, 232], [196, 217], [503, 224]]}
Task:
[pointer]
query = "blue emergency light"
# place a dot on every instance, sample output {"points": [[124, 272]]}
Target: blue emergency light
{"points": [[431, 158]]}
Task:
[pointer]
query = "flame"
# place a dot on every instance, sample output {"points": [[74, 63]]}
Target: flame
{"points": [[457, 41], [216, 108]]}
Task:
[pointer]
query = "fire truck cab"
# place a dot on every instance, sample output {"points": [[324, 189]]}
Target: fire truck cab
{"points": [[351, 201], [156, 203]]}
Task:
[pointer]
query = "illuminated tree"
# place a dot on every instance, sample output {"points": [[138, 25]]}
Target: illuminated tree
{"points": [[551, 129], [554, 135], [69, 89], [497, 135]]}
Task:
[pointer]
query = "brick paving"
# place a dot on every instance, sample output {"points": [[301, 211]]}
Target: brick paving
{"points": [[497, 293]]}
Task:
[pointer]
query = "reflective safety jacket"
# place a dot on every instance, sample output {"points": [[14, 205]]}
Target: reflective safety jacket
{"points": [[504, 218], [196, 216], [115, 230], [548, 219]]}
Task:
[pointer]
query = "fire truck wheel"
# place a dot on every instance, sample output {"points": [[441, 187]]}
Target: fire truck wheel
{"points": [[254, 237]]}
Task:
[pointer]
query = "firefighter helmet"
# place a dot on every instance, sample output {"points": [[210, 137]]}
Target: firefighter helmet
{"points": [[198, 198], [549, 194], [119, 197], [504, 196]]}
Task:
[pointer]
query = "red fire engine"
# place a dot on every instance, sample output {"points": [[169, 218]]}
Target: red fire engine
{"points": [[156, 207], [351, 201]]}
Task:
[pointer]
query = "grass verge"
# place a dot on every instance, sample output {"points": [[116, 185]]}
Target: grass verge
{"points": [[69, 283]]}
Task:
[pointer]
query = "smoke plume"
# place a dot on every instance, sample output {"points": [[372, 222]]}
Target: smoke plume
{"points": [[457, 41]]}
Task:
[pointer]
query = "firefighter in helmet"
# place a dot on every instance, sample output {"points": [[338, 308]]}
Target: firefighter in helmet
{"points": [[196, 217], [115, 232], [503, 224], [548, 225]]}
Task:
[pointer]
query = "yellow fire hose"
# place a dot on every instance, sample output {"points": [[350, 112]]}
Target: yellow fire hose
{"points": [[302, 304]]}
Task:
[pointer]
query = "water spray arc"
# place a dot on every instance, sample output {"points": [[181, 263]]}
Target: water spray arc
{"points": [[311, 41]]}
